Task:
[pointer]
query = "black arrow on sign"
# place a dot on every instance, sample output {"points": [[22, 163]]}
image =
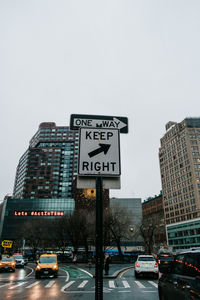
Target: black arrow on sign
{"points": [[103, 148]]}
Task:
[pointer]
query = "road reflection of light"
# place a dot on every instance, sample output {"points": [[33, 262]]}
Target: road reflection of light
{"points": [[54, 291], [10, 294], [21, 274], [12, 277], [36, 293]]}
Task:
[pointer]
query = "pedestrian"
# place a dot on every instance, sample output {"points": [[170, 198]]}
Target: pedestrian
{"points": [[107, 262], [90, 263], [75, 259]]}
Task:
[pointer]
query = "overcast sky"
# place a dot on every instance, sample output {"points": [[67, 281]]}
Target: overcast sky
{"points": [[134, 58]]}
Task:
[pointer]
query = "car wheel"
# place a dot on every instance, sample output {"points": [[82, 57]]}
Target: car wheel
{"points": [[155, 276], [161, 296], [136, 275], [37, 276]]}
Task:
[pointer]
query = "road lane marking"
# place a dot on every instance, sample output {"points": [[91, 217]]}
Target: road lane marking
{"points": [[67, 278], [111, 284], [50, 284], [86, 272], [31, 285], [123, 272], [67, 285], [83, 284], [139, 284], [126, 285], [32, 270], [15, 286], [5, 284], [153, 283], [149, 291]]}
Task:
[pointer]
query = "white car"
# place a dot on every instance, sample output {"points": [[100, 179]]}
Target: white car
{"points": [[146, 264], [19, 260]]}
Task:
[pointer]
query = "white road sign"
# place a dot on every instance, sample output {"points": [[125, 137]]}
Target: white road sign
{"points": [[94, 121], [99, 152]]}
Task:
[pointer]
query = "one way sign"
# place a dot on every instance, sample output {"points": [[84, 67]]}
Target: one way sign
{"points": [[99, 152], [110, 122]]}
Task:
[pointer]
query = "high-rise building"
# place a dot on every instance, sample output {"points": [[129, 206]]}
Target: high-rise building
{"points": [[49, 166], [179, 157]]}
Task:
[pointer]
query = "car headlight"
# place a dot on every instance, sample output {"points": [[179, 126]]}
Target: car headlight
{"points": [[38, 268], [54, 267]]}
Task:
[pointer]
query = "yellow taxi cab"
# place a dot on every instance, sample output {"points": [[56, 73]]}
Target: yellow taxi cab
{"points": [[7, 263], [47, 266]]}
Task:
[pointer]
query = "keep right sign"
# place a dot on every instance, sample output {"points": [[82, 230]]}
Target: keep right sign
{"points": [[99, 152]]}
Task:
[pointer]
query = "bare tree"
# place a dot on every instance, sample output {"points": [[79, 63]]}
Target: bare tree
{"points": [[80, 229], [147, 230], [117, 221], [37, 233], [61, 236]]}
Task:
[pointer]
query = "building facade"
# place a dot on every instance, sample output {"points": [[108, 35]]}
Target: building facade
{"points": [[132, 206], [179, 156], [17, 212], [45, 182], [49, 166], [184, 235], [153, 215]]}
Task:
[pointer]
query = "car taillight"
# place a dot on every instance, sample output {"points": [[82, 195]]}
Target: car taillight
{"points": [[137, 265], [159, 261], [156, 265]]}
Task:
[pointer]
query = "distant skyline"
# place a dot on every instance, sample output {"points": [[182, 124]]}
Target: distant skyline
{"points": [[136, 58]]}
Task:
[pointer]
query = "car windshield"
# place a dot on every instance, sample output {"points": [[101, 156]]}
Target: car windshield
{"points": [[47, 259], [18, 256], [7, 259], [149, 258]]}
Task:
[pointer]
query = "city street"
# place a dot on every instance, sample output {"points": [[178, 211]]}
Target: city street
{"points": [[76, 283]]}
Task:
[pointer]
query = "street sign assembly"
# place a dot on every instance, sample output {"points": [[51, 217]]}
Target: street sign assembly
{"points": [[110, 122], [99, 152], [7, 244]]}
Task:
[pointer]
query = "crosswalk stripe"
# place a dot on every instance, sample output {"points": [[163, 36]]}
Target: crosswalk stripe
{"points": [[139, 284], [111, 284], [125, 283], [15, 286], [67, 285], [50, 284], [83, 284], [31, 285], [153, 283], [4, 285]]}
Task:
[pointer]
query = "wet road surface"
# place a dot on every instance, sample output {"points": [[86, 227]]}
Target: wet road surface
{"points": [[74, 284]]}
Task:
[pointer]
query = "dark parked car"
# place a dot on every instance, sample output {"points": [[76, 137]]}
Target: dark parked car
{"points": [[182, 280], [164, 261]]}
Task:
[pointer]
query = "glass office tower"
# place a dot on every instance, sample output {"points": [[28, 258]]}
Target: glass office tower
{"points": [[49, 166]]}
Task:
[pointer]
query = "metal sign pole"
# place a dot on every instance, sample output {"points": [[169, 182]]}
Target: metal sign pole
{"points": [[99, 240]]}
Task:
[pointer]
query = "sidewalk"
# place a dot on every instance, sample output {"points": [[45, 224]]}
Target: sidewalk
{"points": [[114, 269]]}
